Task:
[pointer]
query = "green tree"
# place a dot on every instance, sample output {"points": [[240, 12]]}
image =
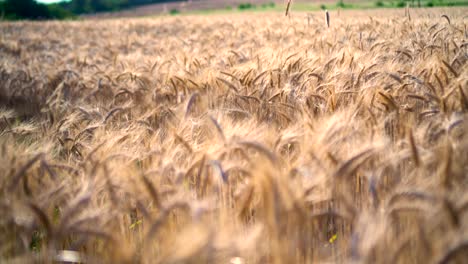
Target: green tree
{"points": [[21, 9], [30, 9], [81, 6]]}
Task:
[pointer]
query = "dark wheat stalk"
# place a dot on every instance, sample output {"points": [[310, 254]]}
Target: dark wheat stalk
{"points": [[287, 8], [327, 17], [447, 18]]}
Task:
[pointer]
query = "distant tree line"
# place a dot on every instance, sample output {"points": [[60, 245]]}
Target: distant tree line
{"points": [[30, 9]]}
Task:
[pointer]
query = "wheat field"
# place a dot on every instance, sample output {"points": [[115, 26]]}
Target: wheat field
{"points": [[243, 138]]}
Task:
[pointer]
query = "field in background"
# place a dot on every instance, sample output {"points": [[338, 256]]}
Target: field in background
{"points": [[236, 139], [240, 6]]}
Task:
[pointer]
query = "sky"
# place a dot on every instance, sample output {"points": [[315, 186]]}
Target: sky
{"points": [[49, 1]]}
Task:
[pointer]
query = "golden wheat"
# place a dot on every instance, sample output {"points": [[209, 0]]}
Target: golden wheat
{"points": [[236, 139]]}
